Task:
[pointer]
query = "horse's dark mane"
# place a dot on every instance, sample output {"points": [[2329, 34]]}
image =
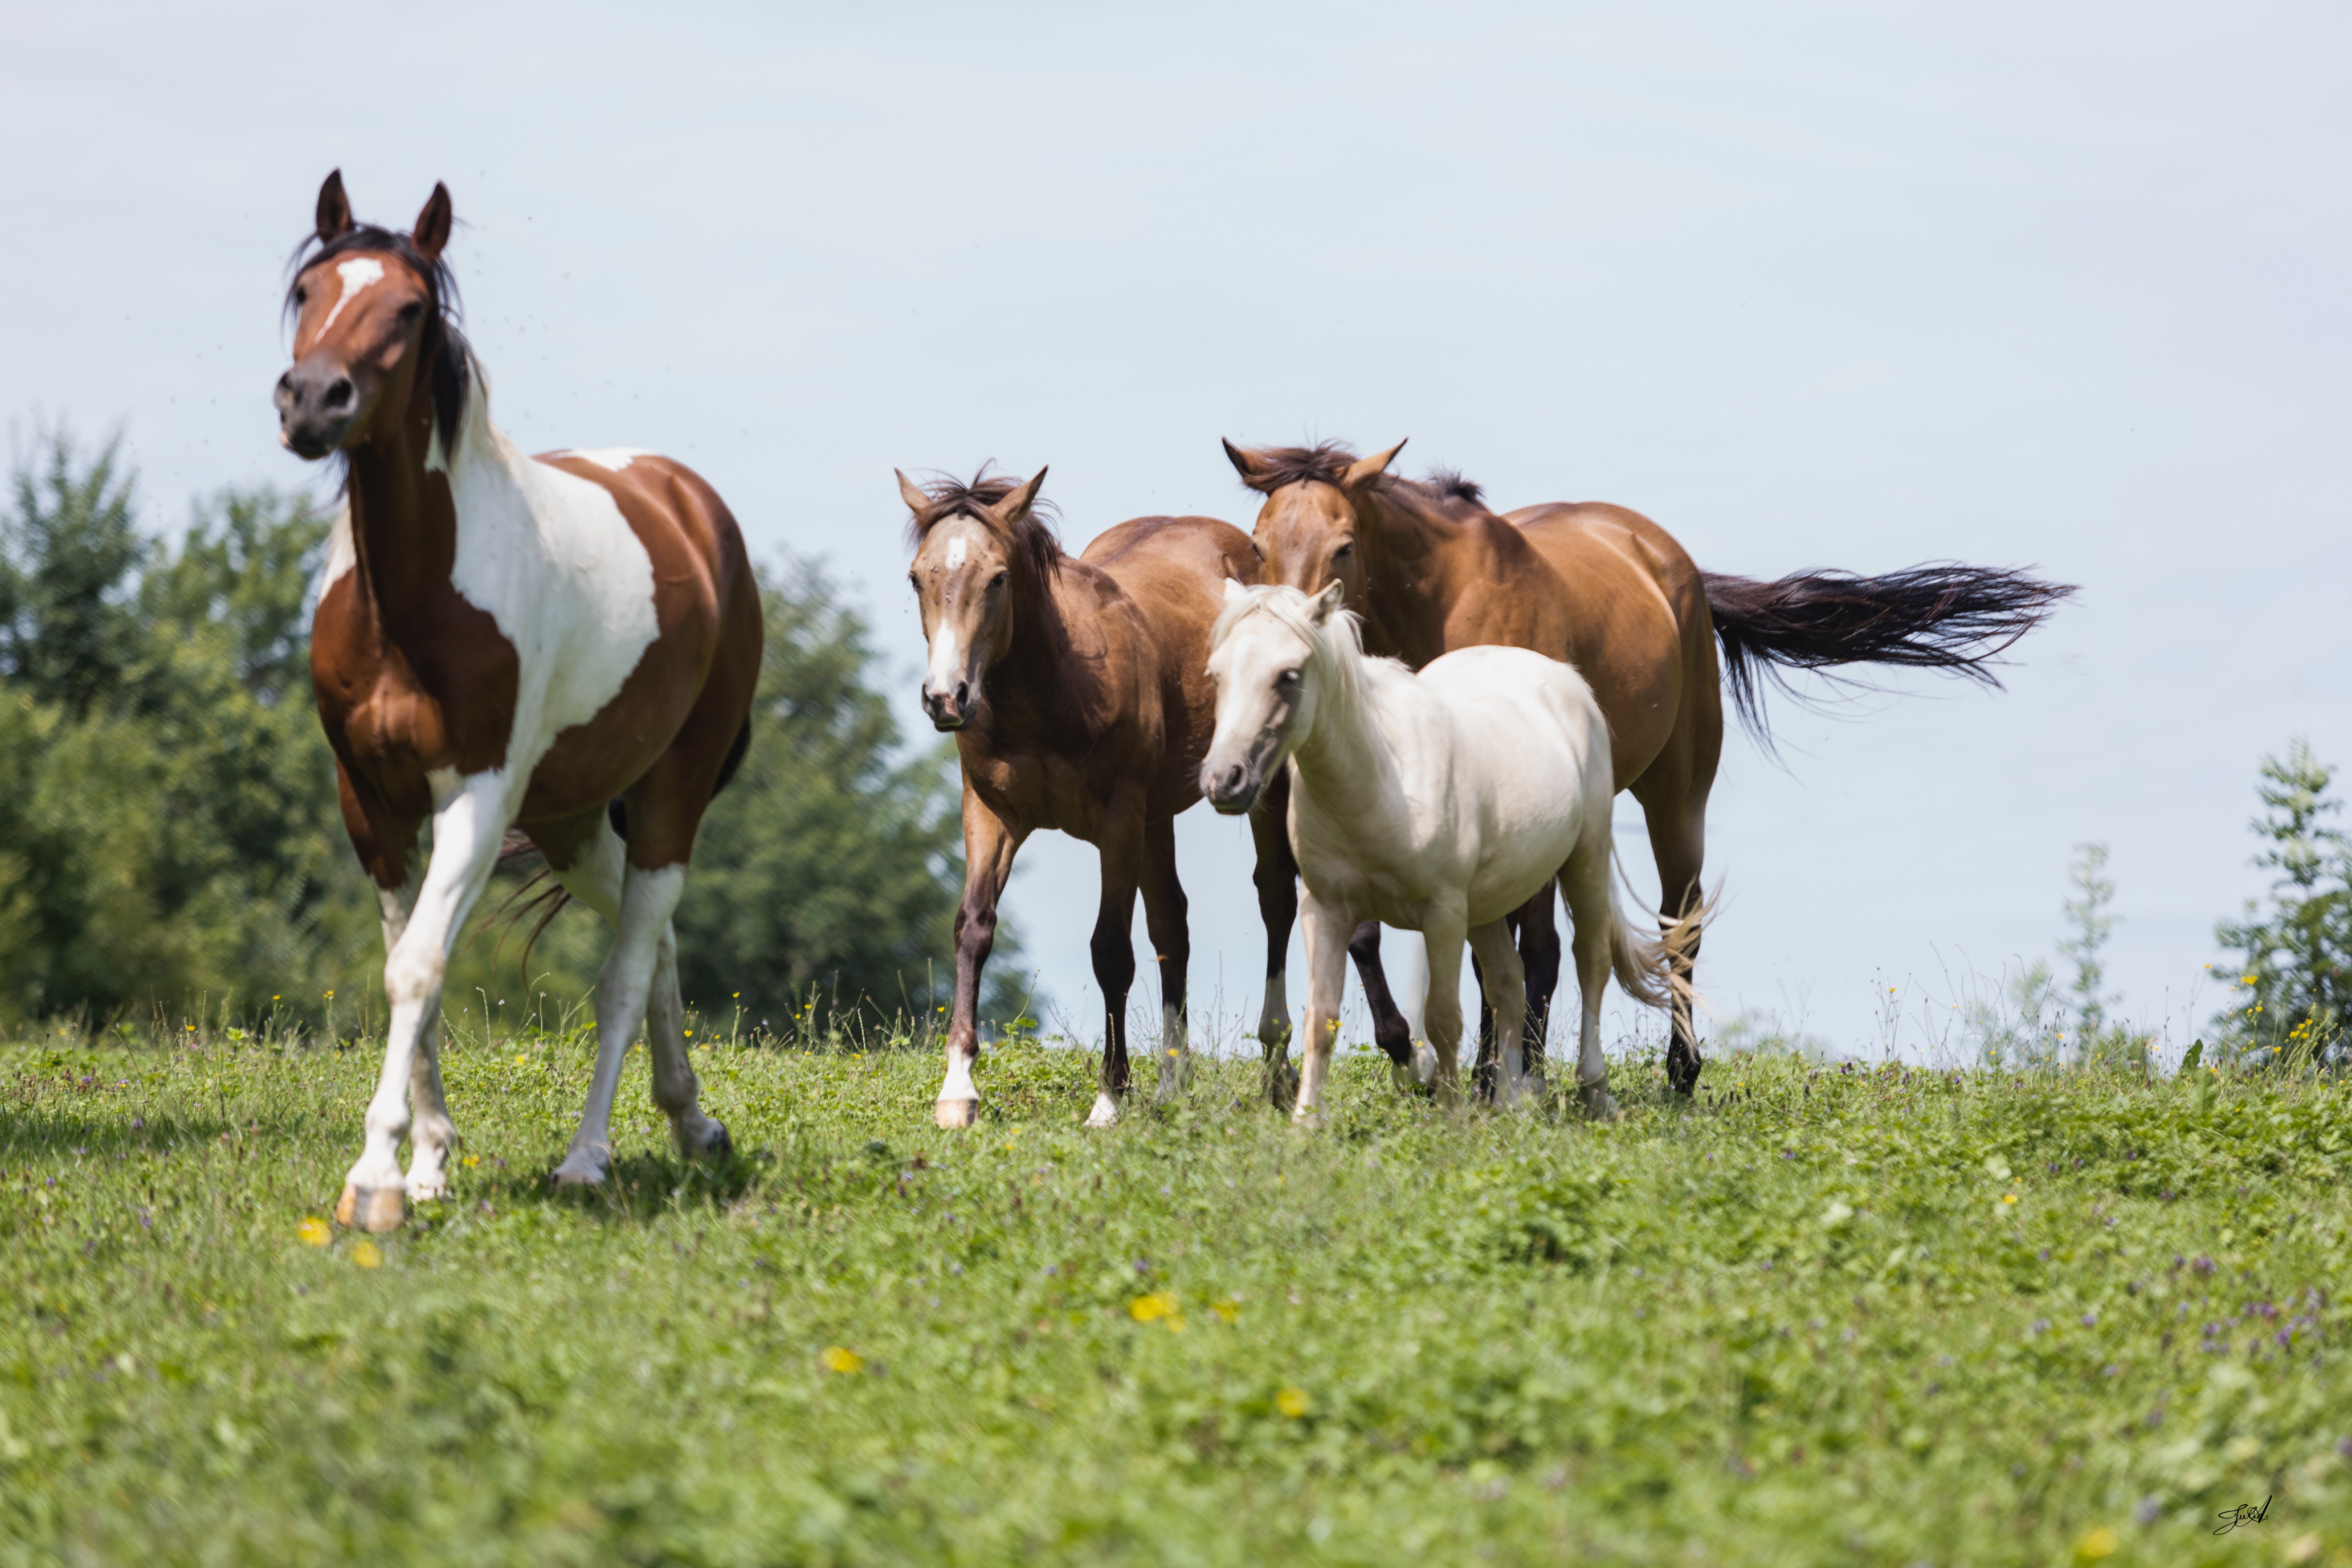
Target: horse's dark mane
{"points": [[449, 359], [1327, 462], [1032, 537]]}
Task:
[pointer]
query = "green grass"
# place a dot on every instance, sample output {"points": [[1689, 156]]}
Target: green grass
{"points": [[1799, 1323]]}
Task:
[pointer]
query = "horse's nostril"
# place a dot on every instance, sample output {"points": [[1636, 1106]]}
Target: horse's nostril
{"points": [[963, 691], [339, 392]]}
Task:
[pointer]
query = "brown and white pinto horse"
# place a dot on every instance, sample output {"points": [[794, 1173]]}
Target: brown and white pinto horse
{"points": [[567, 643], [1430, 569], [1079, 697]]}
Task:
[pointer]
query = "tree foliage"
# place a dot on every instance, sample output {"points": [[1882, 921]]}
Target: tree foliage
{"points": [[2293, 972], [169, 835]]}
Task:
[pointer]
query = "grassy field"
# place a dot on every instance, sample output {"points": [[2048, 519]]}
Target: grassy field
{"points": [[1818, 1317]]}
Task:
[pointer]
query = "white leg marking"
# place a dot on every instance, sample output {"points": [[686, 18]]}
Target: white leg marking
{"points": [[1326, 931], [676, 1088], [466, 833], [1175, 1055], [1106, 1110], [622, 988]]}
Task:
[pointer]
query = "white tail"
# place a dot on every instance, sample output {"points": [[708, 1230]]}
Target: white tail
{"points": [[1645, 965]]}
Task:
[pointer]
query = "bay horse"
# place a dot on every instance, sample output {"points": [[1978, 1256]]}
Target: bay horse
{"points": [[1078, 695], [1436, 802], [567, 643], [1431, 569]]}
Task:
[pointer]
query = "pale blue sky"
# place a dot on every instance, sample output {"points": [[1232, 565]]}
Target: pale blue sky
{"points": [[1850, 285]]}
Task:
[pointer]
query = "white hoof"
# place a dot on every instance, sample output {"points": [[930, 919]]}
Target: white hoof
{"points": [[372, 1208], [1106, 1110], [704, 1139], [954, 1114], [1424, 1064], [1175, 1078], [427, 1186], [580, 1169]]}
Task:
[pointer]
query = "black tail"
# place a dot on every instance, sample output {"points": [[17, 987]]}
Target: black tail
{"points": [[1938, 616]]}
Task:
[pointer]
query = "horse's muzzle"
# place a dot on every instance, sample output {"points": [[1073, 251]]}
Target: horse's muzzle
{"points": [[949, 710], [315, 410], [1232, 791]]}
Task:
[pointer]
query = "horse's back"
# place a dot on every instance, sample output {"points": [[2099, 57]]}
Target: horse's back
{"points": [[1173, 556]]}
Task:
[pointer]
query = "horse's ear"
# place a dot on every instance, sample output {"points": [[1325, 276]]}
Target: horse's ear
{"points": [[334, 209], [1364, 471], [1234, 592], [1247, 464], [1014, 507], [912, 494], [1334, 593], [432, 230]]}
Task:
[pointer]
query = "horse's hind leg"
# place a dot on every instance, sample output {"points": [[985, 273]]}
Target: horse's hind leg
{"points": [[1678, 842], [676, 1088], [1276, 876], [1112, 948], [1172, 943], [1584, 882], [1502, 982], [1538, 935]]}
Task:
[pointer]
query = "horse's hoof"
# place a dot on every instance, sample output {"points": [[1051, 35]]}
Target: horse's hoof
{"points": [[373, 1208], [1309, 1120], [711, 1144], [428, 1189], [1175, 1078], [1598, 1104], [954, 1114], [1424, 1064], [578, 1170], [1106, 1110]]}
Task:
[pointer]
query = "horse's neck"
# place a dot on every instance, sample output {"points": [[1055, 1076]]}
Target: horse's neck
{"points": [[404, 493], [1410, 566], [1043, 663], [1348, 762]]}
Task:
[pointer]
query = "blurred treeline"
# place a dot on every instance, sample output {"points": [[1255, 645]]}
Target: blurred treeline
{"points": [[170, 843]]}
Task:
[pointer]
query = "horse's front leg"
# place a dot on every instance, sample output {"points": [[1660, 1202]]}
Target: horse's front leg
{"points": [[1327, 931], [1443, 933], [1112, 948], [466, 826], [1389, 1031], [1277, 906], [989, 845]]}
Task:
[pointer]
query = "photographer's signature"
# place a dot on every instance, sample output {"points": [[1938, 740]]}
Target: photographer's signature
{"points": [[2244, 1513]]}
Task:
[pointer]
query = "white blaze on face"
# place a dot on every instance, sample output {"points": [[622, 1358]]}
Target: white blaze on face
{"points": [[947, 654], [357, 274]]}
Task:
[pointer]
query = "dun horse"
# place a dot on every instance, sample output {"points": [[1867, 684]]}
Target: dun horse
{"points": [[1430, 569], [568, 643], [1437, 802], [1078, 695]]}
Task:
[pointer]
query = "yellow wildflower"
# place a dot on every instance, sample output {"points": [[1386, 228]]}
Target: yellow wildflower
{"points": [[2009, 1197], [1227, 1312], [1292, 1403], [314, 1232], [1152, 1308], [2099, 1544], [367, 1254], [838, 1359]]}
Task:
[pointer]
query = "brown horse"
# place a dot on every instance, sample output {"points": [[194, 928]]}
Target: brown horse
{"points": [[568, 642], [1430, 569], [1078, 694]]}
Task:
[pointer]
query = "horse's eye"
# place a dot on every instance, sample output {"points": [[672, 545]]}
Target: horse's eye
{"points": [[996, 581], [1287, 680], [409, 311], [1343, 552], [302, 295]]}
